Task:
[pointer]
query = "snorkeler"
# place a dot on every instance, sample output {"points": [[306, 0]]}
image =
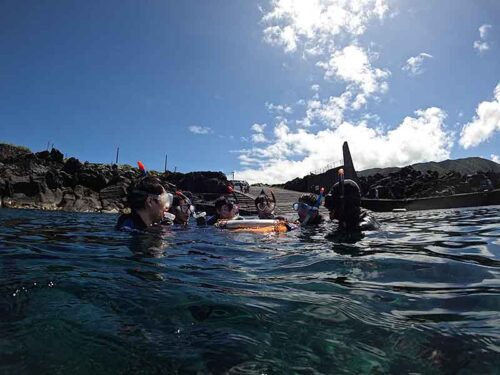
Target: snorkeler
{"points": [[344, 203], [149, 203], [307, 208], [182, 208], [265, 205], [225, 209]]}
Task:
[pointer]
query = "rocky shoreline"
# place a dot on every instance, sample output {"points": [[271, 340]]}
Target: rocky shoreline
{"points": [[48, 181], [405, 183]]}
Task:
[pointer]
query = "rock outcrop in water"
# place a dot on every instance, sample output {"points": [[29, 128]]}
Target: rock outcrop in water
{"points": [[46, 180]]}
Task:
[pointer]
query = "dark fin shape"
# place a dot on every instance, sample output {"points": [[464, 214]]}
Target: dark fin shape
{"points": [[349, 171]]}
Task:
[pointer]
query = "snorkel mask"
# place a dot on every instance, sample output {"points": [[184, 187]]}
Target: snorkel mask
{"points": [[230, 208], [186, 208], [264, 204], [165, 199], [312, 211]]}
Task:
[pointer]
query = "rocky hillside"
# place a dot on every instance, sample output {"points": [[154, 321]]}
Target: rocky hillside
{"points": [[418, 180], [46, 180], [462, 166]]}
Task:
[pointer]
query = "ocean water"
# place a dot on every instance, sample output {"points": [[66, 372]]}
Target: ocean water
{"points": [[422, 295]]}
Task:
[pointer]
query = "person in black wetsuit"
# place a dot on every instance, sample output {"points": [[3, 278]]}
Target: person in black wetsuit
{"points": [[265, 205], [344, 203], [225, 209], [307, 210], [148, 201]]}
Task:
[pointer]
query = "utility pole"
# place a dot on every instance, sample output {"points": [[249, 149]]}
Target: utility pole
{"points": [[166, 160], [175, 169], [233, 174], [117, 154]]}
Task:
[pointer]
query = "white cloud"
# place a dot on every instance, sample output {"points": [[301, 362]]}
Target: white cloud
{"points": [[278, 109], [258, 128], [316, 24], [414, 64], [495, 158], [296, 153], [484, 124], [353, 66], [483, 31], [201, 130], [258, 136], [328, 112], [328, 32], [482, 45]]}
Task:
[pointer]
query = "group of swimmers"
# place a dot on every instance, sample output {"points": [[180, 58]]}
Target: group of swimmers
{"points": [[152, 205]]}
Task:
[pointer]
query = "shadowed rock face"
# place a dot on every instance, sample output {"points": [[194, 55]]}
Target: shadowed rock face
{"points": [[45, 180], [411, 183], [406, 182]]}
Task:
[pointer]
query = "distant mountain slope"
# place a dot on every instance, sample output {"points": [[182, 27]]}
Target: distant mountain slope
{"points": [[463, 166]]}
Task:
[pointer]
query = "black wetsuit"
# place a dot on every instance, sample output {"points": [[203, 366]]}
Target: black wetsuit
{"points": [[130, 221], [212, 220]]}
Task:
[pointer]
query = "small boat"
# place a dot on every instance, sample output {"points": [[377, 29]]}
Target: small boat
{"points": [[484, 198]]}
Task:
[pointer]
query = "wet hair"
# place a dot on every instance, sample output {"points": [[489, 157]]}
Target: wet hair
{"points": [[221, 201], [264, 198], [138, 193], [176, 201], [309, 199], [178, 198], [349, 210]]}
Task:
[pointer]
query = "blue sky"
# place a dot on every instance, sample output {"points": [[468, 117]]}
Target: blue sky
{"points": [[269, 89]]}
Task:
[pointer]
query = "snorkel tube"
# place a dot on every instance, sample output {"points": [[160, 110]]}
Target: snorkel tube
{"points": [[142, 168], [341, 183], [315, 207]]}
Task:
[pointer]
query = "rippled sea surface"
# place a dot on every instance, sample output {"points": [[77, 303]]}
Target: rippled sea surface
{"points": [[422, 295]]}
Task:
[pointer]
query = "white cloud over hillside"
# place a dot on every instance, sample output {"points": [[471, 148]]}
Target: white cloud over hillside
{"points": [[296, 153], [485, 124], [327, 33]]}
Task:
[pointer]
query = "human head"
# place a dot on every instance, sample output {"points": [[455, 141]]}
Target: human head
{"points": [[225, 208], [265, 205], [149, 198], [347, 209], [305, 207], [181, 208]]}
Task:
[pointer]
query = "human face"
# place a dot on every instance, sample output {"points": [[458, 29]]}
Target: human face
{"points": [[228, 211], [265, 209], [303, 210], [183, 211], [158, 205]]}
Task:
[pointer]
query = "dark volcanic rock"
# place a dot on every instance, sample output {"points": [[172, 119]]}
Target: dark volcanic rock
{"points": [[72, 166], [403, 183], [8, 153], [202, 182], [45, 180]]}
